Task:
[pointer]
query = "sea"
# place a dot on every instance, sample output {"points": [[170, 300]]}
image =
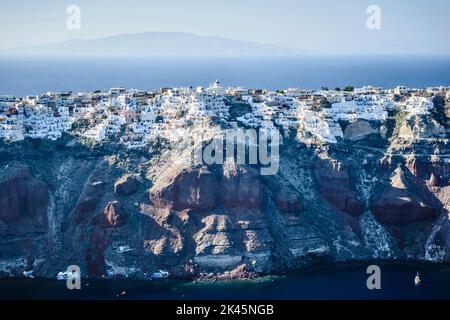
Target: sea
{"points": [[31, 75], [336, 282]]}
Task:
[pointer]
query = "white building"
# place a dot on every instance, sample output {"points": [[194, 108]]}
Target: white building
{"points": [[418, 105], [318, 125], [399, 90], [367, 107]]}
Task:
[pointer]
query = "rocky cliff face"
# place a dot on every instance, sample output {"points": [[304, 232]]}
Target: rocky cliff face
{"points": [[382, 192], [23, 199], [401, 204]]}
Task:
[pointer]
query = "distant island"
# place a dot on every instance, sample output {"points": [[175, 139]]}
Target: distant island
{"points": [[155, 44]]}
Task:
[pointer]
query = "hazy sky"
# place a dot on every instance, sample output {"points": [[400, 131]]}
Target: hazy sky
{"points": [[327, 26]]}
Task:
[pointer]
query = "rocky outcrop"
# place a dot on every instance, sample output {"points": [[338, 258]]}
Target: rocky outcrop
{"points": [[397, 208], [201, 189], [192, 188], [112, 216], [241, 187], [88, 201], [416, 127], [399, 204], [228, 240], [21, 195], [126, 185], [358, 130], [435, 181], [336, 188], [423, 168], [418, 167]]}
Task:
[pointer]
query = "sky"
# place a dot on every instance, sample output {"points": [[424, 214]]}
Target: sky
{"points": [[322, 26]]}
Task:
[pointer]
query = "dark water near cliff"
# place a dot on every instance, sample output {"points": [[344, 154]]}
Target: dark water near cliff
{"points": [[339, 282], [35, 75]]}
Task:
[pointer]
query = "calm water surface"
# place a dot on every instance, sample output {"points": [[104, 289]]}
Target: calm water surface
{"points": [[34, 75], [341, 282]]}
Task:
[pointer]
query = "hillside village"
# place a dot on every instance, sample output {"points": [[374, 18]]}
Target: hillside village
{"points": [[140, 117], [369, 179]]}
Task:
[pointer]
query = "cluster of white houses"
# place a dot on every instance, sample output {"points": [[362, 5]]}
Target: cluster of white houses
{"points": [[138, 117]]}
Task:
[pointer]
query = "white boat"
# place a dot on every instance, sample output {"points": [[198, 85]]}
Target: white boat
{"points": [[122, 249], [62, 275], [160, 274], [417, 279], [28, 274]]}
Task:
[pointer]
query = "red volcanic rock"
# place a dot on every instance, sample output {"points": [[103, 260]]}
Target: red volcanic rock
{"points": [[21, 195], [200, 189], [192, 188], [287, 200], [113, 215], [84, 208], [423, 168], [241, 187], [126, 185], [88, 204], [95, 259], [335, 187], [396, 208], [400, 204], [435, 181], [418, 168]]}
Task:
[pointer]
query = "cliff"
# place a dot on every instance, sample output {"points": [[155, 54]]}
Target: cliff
{"points": [[381, 192]]}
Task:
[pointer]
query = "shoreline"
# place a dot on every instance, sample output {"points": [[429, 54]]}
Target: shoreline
{"points": [[252, 276]]}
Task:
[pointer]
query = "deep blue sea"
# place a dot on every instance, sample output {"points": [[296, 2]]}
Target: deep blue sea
{"points": [[22, 76], [332, 282]]}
